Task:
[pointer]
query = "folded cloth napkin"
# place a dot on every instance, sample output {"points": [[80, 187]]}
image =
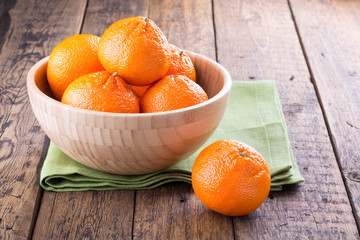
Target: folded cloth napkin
{"points": [[253, 116]]}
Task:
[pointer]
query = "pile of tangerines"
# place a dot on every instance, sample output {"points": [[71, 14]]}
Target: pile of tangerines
{"points": [[132, 68]]}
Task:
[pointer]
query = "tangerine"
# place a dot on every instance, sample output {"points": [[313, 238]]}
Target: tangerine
{"points": [[231, 178], [181, 64], [101, 91], [140, 90], [136, 49], [171, 93], [70, 59]]}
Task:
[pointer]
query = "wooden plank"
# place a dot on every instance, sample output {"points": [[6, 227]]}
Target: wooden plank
{"points": [[187, 24], [100, 15], [257, 40], [5, 6], [28, 36], [173, 211], [332, 44], [85, 215], [92, 215]]}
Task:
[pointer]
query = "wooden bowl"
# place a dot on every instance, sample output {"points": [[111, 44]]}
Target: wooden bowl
{"points": [[131, 143]]}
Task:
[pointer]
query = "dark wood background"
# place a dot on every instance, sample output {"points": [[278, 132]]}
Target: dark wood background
{"points": [[310, 47]]}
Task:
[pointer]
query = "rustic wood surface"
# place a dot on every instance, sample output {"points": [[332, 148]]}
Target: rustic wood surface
{"points": [[332, 45], [32, 31], [312, 50], [262, 26]]}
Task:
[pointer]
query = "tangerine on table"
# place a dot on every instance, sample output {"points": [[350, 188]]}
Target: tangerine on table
{"points": [[181, 64], [101, 91], [231, 178], [171, 93], [136, 49], [70, 59]]}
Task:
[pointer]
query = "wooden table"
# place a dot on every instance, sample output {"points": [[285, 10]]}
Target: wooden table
{"points": [[310, 47]]}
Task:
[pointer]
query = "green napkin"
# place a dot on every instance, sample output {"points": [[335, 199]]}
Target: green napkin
{"points": [[253, 116]]}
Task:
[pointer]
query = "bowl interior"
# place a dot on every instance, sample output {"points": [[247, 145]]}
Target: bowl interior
{"points": [[41, 80]]}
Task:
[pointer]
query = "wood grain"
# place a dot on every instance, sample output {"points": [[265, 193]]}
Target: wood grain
{"points": [[85, 215], [331, 41], [264, 45], [101, 14], [173, 211], [29, 36], [187, 24], [5, 6], [112, 211]]}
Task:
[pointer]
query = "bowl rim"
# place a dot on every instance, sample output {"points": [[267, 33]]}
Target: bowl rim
{"points": [[31, 86]]}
